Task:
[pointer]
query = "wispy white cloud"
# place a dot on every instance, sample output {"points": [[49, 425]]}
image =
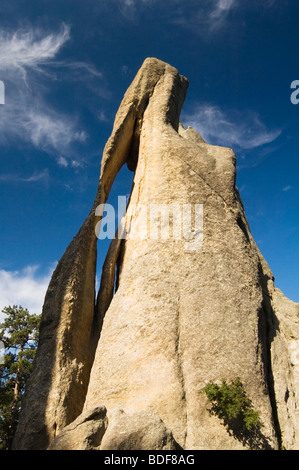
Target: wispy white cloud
{"points": [[77, 163], [62, 162], [40, 125], [287, 188], [52, 131], [82, 74], [37, 176], [66, 163], [102, 117], [205, 17], [134, 3], [28, 61], [25, 287], [131, 10], [86, 67], [30, 49], [129, 3], [236, 130], [219, 12]]}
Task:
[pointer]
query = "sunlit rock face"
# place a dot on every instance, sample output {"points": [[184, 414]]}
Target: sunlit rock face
{"points": [[185, 298]]}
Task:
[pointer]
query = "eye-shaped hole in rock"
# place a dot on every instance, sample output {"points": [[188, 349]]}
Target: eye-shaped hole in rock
{"points": [[109, 241]]}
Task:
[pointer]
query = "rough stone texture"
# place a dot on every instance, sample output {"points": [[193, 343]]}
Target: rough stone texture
{"points": [[285, 366], [95, 430], [142, 430], [85, 433], [184, 313]]}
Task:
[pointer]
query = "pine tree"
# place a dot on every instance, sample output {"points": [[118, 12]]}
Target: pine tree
{"points": [[19, 334]]}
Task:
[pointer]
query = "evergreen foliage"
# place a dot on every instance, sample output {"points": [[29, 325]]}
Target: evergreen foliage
{"points": [[231, 404], [19, 333]]}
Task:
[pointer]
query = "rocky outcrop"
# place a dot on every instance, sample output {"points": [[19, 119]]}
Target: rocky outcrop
{"points": [[85, 433], [141, 430], [192, 304], [285, 367]]}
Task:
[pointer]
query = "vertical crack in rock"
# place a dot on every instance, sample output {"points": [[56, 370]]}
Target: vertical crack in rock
{"points": [[181, 369]]}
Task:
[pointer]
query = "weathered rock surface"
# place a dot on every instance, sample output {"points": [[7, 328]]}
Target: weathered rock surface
{"points": [[285, 367], [185, 312], [85, 433], [142, 430]]}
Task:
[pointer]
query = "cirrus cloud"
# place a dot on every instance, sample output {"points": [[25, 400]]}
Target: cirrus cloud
{"points": [[244, 130], [22, 50], [28, 61]]}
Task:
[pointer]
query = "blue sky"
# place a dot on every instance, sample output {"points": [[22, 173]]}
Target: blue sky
{"points": [[66, 65]]}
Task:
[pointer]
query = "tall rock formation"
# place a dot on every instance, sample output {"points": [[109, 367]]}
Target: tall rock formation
{"points": [[122, 369]]}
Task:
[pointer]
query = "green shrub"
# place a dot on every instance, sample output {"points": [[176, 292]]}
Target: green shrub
{"points": [[230, 403]]}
